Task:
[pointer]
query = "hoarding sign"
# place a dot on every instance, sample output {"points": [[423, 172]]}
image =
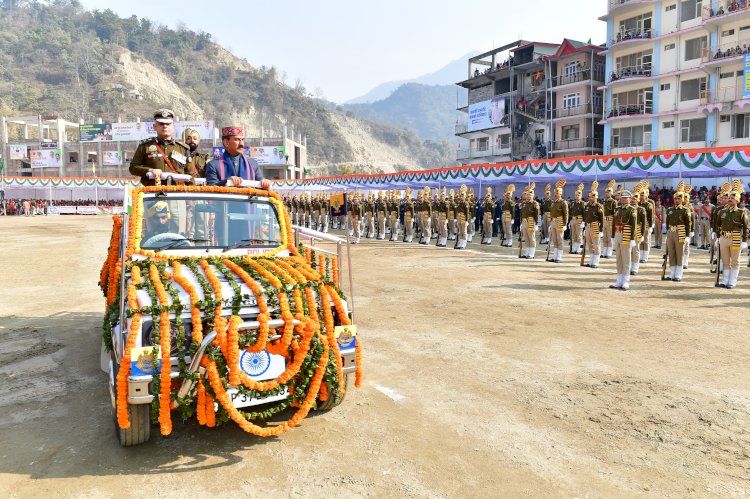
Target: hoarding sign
{"points": [[112, 158], [269, 155], [46, 158], [486, 114], [95, 132], [19, 151], [746, 87]]}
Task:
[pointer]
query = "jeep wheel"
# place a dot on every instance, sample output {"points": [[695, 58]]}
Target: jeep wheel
{"points": [[327, 405], [140, 421]]}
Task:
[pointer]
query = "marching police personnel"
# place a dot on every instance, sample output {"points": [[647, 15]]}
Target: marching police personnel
{"points": [[624, 226], [452, 222], [733, 232], [640, 228], [577, 210], [441, 212], [609, 205], [426, 216], [545, 207], [463, 214], [409, 212], [660, 216], [488, 207], [648, 205], [506, 209], [356, 209], [530, 213], [691, 232], [593, 217], [162, 153], [558, 220], [678, 228], [704, 221], [380, 214], [471, 228], [392, 203]]}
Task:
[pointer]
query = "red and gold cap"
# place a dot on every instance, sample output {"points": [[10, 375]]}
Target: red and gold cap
{"points": [[232, 131]]}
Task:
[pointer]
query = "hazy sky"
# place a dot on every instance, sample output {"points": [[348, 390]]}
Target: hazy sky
{"points": [[347, 47]]}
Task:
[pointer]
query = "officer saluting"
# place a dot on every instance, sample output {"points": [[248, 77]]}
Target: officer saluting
{"points": [[162, 153]]}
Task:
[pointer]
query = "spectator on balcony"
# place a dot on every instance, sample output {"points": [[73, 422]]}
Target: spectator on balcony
{"points": [[476, 72]]}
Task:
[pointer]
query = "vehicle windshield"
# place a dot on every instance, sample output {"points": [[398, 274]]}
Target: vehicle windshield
{"points": [[213, 222]]}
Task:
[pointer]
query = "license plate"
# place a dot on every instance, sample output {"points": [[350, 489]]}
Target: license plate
{"points": [[259, 366]]}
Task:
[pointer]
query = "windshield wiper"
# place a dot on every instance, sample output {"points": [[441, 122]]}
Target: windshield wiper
{"points": [[246, 243], [175, 242]]}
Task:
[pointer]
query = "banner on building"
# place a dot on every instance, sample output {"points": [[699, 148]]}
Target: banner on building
{"points": [[112, 158], [746, 74], [95, 132], [205, 128], [139, 130], [52, 144], [486, 114], [134, 132], [269, 155], [46, 158], [19, 151]]}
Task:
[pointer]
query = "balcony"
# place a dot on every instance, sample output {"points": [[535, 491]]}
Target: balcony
{"points": [[725, 11], [630, 73], [630, 148], [726, 53], [579, 76], [632, 110], [576, 144], [721, 99], [627, 35], [622, 6], [575, 111], [496, 150], [463, 128]]}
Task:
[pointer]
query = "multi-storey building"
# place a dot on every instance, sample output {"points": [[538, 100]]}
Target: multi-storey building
{"points": [[675, 74], [533, 100]]}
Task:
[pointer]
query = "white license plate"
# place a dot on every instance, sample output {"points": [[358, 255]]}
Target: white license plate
{"points": [[242, 400], [261, 366]]}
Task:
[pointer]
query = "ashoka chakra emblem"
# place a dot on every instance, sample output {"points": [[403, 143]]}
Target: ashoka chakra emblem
{"points": [[255, 364]]}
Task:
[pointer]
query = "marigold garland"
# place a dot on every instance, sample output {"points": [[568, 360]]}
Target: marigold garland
{"points": [[122, 375], [335, 271], [165, 395]]}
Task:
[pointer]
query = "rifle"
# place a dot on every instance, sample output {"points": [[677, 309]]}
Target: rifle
{"points": [[664, 267], [718, 264], [711, 255], [583, 253], [520, 243]]}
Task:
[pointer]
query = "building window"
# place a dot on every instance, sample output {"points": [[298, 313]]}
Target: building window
{"points": [[483, 144], [728, 32], [740, 126], [668, 124], [726, 75], [693, 48], [670, 7], [634, 136], [692, 89], [669, 46], [504, 141], [725, 118], [570, 68], [570, 132], [665, 86], [571, 100], [693, 130], [690, 9]]}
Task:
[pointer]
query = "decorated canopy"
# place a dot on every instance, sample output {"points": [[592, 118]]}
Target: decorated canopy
{"points": [[66, 188], [693, 163]]}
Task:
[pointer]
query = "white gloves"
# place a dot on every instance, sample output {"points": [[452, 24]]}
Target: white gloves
{"points": [[583, 225], [651, 230], [687, 239], [640, 241], [692, 234], [632, 243], [743, 245], [601, 235]]}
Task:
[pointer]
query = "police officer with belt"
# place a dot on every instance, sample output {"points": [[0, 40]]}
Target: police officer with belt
{"points": [[162, 153], [192, 138]]}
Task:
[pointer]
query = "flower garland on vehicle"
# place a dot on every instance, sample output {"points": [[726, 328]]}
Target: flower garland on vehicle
{"points": [[287, 288]]}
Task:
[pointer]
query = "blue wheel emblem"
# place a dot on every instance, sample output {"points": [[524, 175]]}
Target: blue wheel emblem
{"points": [[255, 364]]}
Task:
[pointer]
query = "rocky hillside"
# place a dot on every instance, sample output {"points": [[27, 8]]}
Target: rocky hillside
{"points": [[57, 58]]}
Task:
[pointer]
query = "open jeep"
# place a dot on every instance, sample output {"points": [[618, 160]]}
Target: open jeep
{"points": [[216, 306]]}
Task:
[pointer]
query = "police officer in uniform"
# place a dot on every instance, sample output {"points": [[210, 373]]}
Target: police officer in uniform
{"points": [[733, 232], [558, 219], [162, 153], [409, 213], [393, 206], [426, 216], [507, 207], [530, 212], [471, 228], [593, 217], [441, 213], [609, 205], [380, 214], [640, 228], [678, 228], [545, 207], [648, 205], [488, 207], [704, 219], [693, 222], [624, 226], [577, 211], [463, 216], [192, 138], [660, 216]]}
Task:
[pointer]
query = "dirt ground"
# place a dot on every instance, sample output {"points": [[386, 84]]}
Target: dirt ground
{"points": [[485, 376]]}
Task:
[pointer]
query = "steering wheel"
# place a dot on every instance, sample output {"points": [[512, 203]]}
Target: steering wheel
{"points": [[169, 237]]}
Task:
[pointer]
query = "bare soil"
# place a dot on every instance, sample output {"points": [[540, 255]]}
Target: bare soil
{"points": [[485, 376]]}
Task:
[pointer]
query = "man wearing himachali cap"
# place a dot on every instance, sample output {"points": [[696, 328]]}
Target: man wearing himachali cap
{"points": [[234, 166]]}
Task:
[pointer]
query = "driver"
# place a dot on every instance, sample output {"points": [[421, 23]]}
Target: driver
{"points": [[159, 220]]}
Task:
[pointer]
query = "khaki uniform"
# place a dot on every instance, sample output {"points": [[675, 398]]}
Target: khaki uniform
{"points": [[530, 213], [381, 213], [488, 209], [393, 206], [463, 215], [506, 210], [167, 156], [660, 218], [200, 161], [577, 211], [609, 205], [409, 213], [625, 220], [733, 231], [426, 220], [645, 247], [441, 213], [545, 207], [641, 229], [678, 224], [704, 223], [558, 219], [593, 217]]}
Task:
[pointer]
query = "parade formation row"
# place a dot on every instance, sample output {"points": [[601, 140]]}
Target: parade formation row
{"points": [[626, 224]]}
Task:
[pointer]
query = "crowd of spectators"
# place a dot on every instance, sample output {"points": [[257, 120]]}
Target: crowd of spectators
{"points": [[732, 6], [732, 52], [32, 207]]}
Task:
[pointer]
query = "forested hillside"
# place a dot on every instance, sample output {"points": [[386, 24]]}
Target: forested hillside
{"points": [[58, 58]]}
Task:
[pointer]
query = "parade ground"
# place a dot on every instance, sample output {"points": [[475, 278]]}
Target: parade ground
{"points": [[484, 376]]}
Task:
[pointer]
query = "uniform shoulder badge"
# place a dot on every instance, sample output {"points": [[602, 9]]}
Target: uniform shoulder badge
{"points": [[181, 144]]}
